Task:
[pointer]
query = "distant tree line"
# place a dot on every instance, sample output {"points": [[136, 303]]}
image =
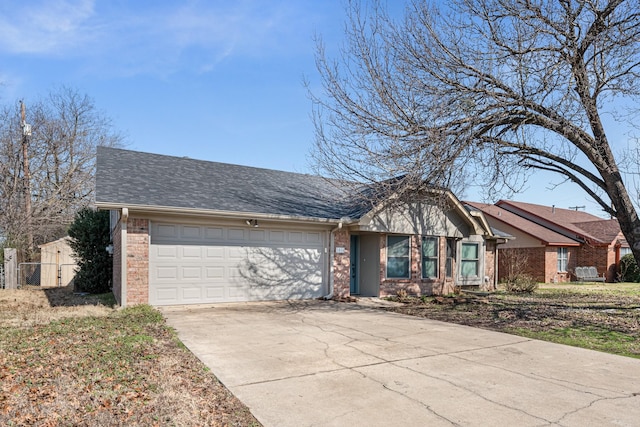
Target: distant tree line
{"points": [[41, 192]]}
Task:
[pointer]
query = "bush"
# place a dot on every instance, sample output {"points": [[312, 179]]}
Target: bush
{"points": [[521, 283], [89, 234], [629, 271]]}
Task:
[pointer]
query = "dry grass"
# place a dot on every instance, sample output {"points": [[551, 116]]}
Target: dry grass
{"points": [[67, 360], [596, 316], [35, 306]]}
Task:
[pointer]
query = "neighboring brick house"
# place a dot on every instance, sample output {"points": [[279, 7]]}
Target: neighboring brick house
{"points": [[186, 231], [551, 242]]}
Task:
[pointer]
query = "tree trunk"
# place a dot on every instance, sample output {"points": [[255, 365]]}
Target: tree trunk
{"points": [[625, 212]]}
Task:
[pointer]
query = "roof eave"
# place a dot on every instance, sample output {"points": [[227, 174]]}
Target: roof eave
{"points": [[171, 210]]}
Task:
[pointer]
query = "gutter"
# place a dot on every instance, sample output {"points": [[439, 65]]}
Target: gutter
{"points": [[213, 212]]}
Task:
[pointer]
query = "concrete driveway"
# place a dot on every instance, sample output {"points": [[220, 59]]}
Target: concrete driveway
{"points": [[317, 363]]}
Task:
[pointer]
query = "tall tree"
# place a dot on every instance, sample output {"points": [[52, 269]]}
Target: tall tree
{"points": [[484, 90], [66, 128]]}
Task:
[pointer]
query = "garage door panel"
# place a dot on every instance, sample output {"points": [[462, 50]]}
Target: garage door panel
{"points": [[214, 252], [207, 264], [214, 293], [167, 272], [236, 252], [190, 232], [166, 231], [167, 252], [194, 252], [257, 236], [236, 234], [214, 272], [216, 233], [313, 238], [191, 293], [192, 273], [166, 295], [276, 236], [295, 236]]}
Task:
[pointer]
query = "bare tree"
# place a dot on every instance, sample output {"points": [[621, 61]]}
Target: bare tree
{"points": [[66, 128], [484, 91]]}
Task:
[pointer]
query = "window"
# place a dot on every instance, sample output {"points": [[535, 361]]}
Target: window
{"points": [[624, 251], [398, 256], [429, 257], [563, 256], [469, 267]]}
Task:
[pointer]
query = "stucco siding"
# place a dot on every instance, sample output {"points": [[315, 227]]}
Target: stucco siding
{"points": [[419, 218]]}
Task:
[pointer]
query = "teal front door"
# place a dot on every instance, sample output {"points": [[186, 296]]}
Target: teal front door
{"points": [[354, 287]]}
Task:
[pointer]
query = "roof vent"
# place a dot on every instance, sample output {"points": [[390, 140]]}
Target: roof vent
{"points": [[553, 209]]}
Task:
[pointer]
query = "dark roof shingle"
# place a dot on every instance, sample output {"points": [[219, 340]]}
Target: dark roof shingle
{"points": [[125, 177]]}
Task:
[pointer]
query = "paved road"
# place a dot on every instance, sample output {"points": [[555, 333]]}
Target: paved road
{"points": [[317, 363]]}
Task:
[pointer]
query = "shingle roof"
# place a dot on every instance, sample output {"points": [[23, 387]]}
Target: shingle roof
{"points": [[580, 224], [125, 177], [605, 230], [553, 216], [545, 235]]}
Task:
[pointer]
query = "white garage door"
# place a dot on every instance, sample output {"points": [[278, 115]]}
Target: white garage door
{"points": [[194, 264]]}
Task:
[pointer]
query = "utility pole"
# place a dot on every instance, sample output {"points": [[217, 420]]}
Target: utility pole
{"points": [[26, 133]]}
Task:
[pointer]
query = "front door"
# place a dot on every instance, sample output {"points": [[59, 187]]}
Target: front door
{"points": [[354, 287]]}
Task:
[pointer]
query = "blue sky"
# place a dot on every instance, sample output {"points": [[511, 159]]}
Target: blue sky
{"points": [[213, 80]]}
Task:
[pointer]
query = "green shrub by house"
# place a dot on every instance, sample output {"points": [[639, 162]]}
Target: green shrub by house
{"points": [[629, 271], [89, 234]]}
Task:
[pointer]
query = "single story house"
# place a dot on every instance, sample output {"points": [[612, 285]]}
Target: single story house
{"points": [[187, 231], [551, 242]]}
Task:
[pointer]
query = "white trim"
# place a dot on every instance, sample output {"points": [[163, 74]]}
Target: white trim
{"points": [[139, 210]]}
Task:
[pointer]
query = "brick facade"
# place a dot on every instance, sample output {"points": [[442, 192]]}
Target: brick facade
{"points": [[542, 263], [137, 266], [601, 257], [415, 284], [527, 261], [342, 264], [137, 261], [490, 265]]}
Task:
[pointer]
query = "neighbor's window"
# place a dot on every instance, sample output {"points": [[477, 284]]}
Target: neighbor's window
{"points": [[429, 257], [398, 256], [563, 256], [624, 251], [470, 261]]}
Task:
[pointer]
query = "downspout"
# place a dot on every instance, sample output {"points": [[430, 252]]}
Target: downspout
{"points": [[332, 240], [124, 218], [495, 262], [495, 268]]}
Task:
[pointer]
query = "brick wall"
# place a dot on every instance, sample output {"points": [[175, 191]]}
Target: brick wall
{"points": [[489, 264], [542, 263], [341, 264], [528, 261], [117, 262], [552, 275], [603, 258], [137, 261], [415, 284]]}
